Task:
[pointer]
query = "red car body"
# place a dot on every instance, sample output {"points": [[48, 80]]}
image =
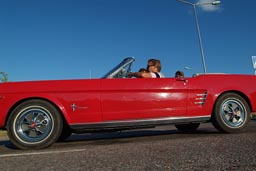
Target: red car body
{"points": [[122, 103]]}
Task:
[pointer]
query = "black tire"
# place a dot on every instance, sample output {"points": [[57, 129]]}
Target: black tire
{"points": [[34, 124], [231, 113], [191, 127]]}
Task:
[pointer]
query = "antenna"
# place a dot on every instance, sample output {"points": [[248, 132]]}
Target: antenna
{"points": [[254, 63]]}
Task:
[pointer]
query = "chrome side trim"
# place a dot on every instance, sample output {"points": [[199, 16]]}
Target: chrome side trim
{"points": [[129, 124], [200, 98]]}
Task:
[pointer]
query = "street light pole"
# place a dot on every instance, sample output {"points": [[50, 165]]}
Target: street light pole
{"points": [[197, 26], [199, 38]]}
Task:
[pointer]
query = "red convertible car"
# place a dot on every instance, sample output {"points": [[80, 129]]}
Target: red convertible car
{"points": [[38, 113]]}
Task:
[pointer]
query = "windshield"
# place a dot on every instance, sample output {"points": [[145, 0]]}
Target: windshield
{"points": [[121, 70]]}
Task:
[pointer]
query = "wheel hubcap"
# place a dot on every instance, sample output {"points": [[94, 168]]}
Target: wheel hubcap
{"points": [[233, 113], [33, 125]]}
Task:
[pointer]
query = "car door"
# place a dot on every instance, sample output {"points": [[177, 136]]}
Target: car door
{"points": [[81, 100], [141, 98]]}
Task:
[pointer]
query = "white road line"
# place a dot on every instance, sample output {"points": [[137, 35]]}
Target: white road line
{"points": [[41, 153]]}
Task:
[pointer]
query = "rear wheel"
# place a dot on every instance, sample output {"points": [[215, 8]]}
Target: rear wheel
{"points": [[191, 127], [231, 113], [34, 124]]}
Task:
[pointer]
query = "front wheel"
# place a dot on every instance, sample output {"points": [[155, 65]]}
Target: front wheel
{"points": [[231, 113], [34, 124]]}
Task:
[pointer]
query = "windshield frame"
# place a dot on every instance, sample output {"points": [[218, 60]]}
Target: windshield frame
{"points": [[127, 62]]}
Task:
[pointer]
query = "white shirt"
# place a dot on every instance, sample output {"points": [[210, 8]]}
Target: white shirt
{"points": [[155, 75]]}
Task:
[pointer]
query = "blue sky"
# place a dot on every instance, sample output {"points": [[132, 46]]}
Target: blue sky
{"points": [[74, 39]]}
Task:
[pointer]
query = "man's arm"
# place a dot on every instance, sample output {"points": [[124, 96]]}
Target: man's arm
{"points": [[140, 74]]}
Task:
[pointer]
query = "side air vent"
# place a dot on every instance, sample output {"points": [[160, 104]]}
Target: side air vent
{"points": [[200, 99]]}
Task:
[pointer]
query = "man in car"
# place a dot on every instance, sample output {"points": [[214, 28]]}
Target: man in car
{"points": [[179, 74], [153, 68]]}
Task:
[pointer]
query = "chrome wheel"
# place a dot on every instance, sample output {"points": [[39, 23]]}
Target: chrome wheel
{"points": [[233, 113], [33, 124]]}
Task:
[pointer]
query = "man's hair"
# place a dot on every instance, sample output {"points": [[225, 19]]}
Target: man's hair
{"points": [[156, 63], [179, 73]]}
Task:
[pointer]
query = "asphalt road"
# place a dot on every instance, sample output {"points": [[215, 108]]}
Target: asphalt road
{"points": [[161, 148]]}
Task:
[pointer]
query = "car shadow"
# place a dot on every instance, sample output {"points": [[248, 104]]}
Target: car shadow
{"points": [[135, 135], [7, 144]]}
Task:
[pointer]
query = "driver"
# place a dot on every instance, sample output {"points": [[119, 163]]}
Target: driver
{"points": [[153, 68]]}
